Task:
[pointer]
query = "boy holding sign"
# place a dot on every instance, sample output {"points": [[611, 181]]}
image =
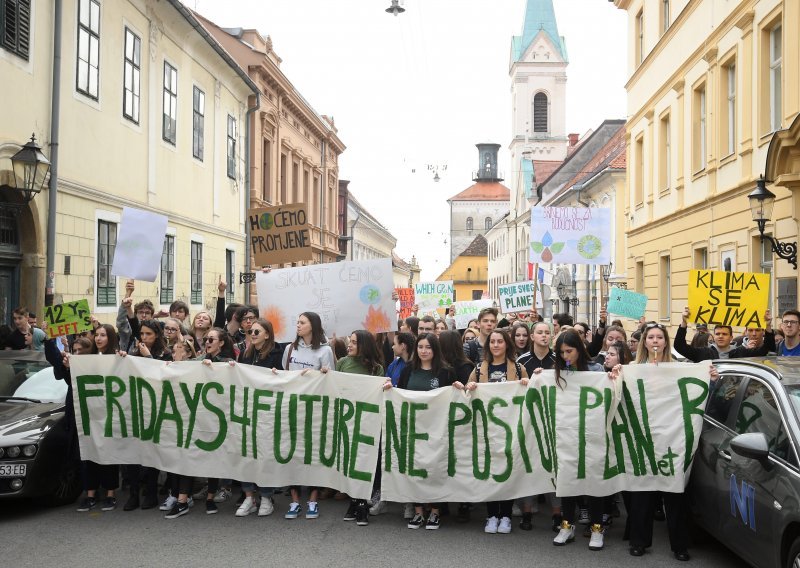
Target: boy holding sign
{"points": [[723, 335]]}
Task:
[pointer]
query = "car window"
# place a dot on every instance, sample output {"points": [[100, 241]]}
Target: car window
{"points": [[759, 412], [722, 396]]}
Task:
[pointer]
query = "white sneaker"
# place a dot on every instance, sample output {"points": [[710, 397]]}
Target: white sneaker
{"points": [[515, 510], [376, 497], [378, 508], [408, 512], [168, 503], [266, 508], [596, 541], [491, 525], [248, 506], [222, 495], [505, 526], [565, 534]]}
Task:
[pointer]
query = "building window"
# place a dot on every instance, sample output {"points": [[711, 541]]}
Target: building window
{"points": [[266, 172], [639, 38], [699, 129], [487, 223], [230, 275], [198, 122], [775, 58], [469, 225], [106, 283], [88, 78], [540, 112], [728, 134], [132, 74], [167, 292], [197, 273], [664, 153], [231, 147], [15, 26], [701, 258], [665, 296], [639, 171], [170, 121], [640, 276], [664, 16]]}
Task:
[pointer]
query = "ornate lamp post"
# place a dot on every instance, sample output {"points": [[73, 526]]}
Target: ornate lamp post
{"points": [[31, 167], [762, 202]]}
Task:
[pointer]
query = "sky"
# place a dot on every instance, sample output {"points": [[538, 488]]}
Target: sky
{"points": [[422, 88]]}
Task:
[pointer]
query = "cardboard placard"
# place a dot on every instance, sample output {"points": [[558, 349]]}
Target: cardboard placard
{"points": [[68, 318], [406, 298], [431, 296], [626, 303], [728, 298], [280, 234], [466, 311], [140, 244], [519, 297], [570, 235]]}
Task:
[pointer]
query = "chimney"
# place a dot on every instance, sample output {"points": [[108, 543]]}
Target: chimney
{"points": [[573, 139], [487, 163]]}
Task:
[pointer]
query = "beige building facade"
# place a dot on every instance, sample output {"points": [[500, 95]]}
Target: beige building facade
{"points": [[713, 103], [152, 116]]}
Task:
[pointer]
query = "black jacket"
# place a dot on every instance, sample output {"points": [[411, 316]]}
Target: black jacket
{"points": [[698, 354], [271, 361]]}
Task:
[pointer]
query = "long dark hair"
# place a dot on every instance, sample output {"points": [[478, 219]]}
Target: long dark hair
{"points": [[623, 352], [408, 339], [226, 351], [317, 333], [437, 364], [269, 344], [113, 340], [452, 348], [510, 349], [367, 351], [520, 350], [159, 344], [570, 339]]}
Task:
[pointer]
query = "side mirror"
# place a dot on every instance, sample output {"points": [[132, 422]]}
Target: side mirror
{"points": [[753, 446]]}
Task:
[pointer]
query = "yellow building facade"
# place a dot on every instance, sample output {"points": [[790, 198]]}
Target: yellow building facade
{"points": [[713, 103], [469, 271], [152, 116]]}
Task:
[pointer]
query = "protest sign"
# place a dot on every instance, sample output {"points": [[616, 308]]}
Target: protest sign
{"points": [[140, 244], [347, 295], [571, 235], [68, 318], [518, 297], [280, 234], [466, 311], [430, 296], [640, 439], [406, 298], [230, 422], [626, 303], [728, 298]]}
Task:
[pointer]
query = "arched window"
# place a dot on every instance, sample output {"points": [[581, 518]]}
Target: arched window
{"points": [[540, 113], [469, 225], [487, 223]]}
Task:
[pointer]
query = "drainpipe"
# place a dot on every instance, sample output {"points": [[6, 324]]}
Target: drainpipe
{"points": [[248, 132], [323, 188], [52, 195]]}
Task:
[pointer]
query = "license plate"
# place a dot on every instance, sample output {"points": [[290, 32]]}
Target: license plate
{"points": [[13, 469]]}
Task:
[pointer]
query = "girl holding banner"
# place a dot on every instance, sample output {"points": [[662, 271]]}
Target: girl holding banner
{"points": [[499, 365], [571, 355]]}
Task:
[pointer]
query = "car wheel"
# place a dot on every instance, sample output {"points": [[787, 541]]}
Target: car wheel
{"points": [[68, 487], [793, 559]]}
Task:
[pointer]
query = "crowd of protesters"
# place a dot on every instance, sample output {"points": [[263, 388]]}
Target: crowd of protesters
{"points": [[425, 353]]}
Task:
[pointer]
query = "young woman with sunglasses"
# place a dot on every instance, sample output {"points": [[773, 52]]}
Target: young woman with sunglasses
{"points": [[499, 365], [309, 350], [261, 351]]}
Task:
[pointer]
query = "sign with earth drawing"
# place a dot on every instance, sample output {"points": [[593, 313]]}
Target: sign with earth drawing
{"points": [[570, 235]]}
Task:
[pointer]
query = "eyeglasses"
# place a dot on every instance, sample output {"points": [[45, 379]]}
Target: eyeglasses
{"points": [[209, 340], [790, 322], [249, 318], [170, 329], [254, 332]]}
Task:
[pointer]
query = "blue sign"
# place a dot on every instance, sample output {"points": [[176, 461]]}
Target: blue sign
{"points": [[626, 303]]}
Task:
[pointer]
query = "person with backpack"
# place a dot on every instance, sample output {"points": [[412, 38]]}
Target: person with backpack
{"points": [[499, 365]]}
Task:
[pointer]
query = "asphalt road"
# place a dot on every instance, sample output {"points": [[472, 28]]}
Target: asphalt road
{"points": [[36, 536]]}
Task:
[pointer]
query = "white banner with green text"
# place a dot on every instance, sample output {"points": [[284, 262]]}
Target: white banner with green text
{"points": [[230, 421]]}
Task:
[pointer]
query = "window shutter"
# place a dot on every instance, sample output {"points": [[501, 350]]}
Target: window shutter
{"points": [[23, 27]]}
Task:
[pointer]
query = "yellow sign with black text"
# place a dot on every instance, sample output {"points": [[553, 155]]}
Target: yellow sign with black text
{"points": [[737, 299]]}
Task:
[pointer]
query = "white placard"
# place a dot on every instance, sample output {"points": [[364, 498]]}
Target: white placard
{"points": [[140, 244], [467, 311], [518, 297]]}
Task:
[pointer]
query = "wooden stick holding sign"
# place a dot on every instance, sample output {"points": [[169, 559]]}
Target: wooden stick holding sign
{"points": [[535, 288]]}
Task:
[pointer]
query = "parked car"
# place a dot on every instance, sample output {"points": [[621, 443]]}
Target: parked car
{"points": [[745, 480], [37, 456]]}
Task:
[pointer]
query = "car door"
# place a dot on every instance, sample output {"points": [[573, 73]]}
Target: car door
{"points": [[757, 491], [707, 480]]}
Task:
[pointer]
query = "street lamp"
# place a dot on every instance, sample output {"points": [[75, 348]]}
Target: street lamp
{"points": [[762, 202], [605, 271], [31, 166]]}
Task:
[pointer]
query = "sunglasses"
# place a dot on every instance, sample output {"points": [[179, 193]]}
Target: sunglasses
{"points": [[656, 325], [209, 340], [254, 332]]}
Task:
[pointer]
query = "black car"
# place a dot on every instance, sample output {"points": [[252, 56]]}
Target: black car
{"points": [[745, 480], [38, 457]]}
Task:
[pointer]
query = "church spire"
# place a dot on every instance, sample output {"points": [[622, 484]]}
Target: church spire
{"points": [[539, 16]]}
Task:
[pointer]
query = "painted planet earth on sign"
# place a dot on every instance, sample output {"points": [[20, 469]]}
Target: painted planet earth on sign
{"points": [[370, 294]]}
